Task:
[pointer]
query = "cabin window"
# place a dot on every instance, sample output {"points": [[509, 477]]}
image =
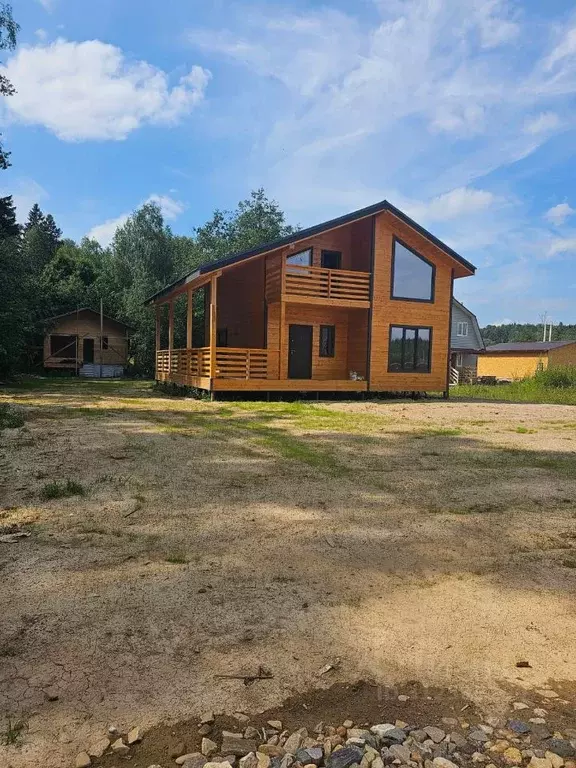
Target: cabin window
{"points": [[300, 259], [331, 259], [222, 337], [459, 361], [412, 275], [63, 346], [104, 342], [409, 349], [462, 329], [327, 340]]}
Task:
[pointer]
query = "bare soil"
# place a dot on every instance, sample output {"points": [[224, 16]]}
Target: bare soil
{"points": [[412, 541]]}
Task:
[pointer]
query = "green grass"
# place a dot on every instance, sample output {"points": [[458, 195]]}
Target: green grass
{"points": [[441, 431], [176, 559], [13, 734], [56, 490], [555, 385], [525, 431], [10, 417]]}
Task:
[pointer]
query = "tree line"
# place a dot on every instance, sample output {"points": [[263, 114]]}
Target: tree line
{"points": [[43, 274], [501, 334]]}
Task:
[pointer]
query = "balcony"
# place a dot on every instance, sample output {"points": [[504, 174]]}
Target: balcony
{"points": [[318, 285]]}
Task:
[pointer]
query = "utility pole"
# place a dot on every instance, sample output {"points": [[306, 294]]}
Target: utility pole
{"points": [[544, 321]]}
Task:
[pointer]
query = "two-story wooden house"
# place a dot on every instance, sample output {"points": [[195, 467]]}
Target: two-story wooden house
{"points": [[359, 303]]}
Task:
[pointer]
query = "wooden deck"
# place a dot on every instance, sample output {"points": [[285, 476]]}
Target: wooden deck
{"points": [[237, 369], [317, 285]]}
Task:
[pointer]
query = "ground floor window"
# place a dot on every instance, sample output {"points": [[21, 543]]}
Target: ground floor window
{"points": [[410, 349], [63, 346], [327, 340]]}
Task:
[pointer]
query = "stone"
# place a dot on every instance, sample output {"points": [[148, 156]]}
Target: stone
{"points": [[194, 760], [359, 733], [344, 757], [209, 748], [556, 760], [451, 721], [489, 729], [518, 726], [394, 735], [537, 721], [272, 750], [403, 697], [512, 756], [309, 755], [477, 736], [241, 717], [401, 752], [251, 733], [419, 735], [98, 749], [381, 729], [204, 729], [377, 762], [275, 724], [499, 747], [189, 756], [287, 761], [540, 732], [458, 740], [348, 723], [222, 764], [119, 748], [547, 694], [436, 734], [179, 749], [83, 760], [262, 760], [401, 724], [294, 742], [274, 740], [539, 762], [206, 718], [519, 705], [248, 761], [539, 712], [134, 736], [234, 745], [561, 747], [442, 762]]}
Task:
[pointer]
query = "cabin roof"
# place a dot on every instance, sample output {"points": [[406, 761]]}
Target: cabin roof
{"points": [[93, 312], [527, 346], [303, 234]]}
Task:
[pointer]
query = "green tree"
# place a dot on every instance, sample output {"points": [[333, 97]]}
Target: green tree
{"points": [[8, 38], [14, 315]]}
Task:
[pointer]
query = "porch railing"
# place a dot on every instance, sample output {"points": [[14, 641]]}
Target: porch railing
{"points": [[230, 363], [321, 283]]}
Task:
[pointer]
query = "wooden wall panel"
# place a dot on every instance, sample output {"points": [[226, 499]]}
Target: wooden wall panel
{"points": [[241, 306], [358, 340], [273, 339], [563, 355], [516, 365], [387, 312], [322, 367], [87, 325]]}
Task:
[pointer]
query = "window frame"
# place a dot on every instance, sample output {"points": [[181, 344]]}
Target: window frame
{"points": [[331, 252], [331, 347], [411, 328], [105, 342], [432, 298], [459, 360], [304, 250], [464, 325]]}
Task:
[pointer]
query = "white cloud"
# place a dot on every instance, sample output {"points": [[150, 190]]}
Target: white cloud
{"points": [[41, 34], [457, 203], [48, 5], [105, 232], [561, 245], [542, 123], [25, 192], [90, 90], [559, 213]]}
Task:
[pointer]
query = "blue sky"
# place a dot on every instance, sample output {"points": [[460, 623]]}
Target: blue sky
{"points": [[460, 112]]}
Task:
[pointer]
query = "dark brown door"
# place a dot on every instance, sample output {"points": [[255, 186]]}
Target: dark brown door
{"points": [[88, 350], [300, 352]]}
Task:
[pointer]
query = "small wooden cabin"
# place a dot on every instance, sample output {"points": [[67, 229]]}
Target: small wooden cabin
{"points": [[465, 344], [87, 343], [359, 303], [517, 360]]}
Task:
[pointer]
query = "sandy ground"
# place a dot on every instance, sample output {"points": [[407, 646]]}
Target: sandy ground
{"points": [[426, 541]]}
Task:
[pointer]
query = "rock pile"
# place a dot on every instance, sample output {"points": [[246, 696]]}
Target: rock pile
{"points": [[494, 744]]}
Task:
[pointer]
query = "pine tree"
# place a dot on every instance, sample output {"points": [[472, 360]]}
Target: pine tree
{"points": [[35, 218], [14, 315], [8, 225], [8, 34]]}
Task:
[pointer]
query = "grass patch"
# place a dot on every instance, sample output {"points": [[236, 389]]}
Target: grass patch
{"points": [[555, 386], [10, 417], [14, 733], [56, 490], [525, 431], [176, 558], [441, 431]]}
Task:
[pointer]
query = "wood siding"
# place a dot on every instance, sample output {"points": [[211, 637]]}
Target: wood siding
{"points": [[563, 355], [241, 306], [472, 340], [87, 326], [515, 365], [387, 311], [322, 367]]}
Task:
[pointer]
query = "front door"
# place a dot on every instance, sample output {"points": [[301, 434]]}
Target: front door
{"points": [[88, 351], [300, 352]]}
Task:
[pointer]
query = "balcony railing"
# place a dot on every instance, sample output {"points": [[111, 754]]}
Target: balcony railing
{"points": [[231, 363], [320, 283]]}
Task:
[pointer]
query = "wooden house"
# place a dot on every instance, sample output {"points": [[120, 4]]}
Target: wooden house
{"points": [[86, 342], [465, 344], [359, 303], [520, 359]]}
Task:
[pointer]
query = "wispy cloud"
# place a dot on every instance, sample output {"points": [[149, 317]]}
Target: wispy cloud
{"points": [[104, 233], [559, 213]]}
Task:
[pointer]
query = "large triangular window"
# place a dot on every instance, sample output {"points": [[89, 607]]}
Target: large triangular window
{"points": [[412, 275]]}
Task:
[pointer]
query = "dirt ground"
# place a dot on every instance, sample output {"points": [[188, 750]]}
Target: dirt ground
{"points": [[403, 541]]}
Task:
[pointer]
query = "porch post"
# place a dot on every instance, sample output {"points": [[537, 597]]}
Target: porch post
{"points": [[213, 321], [189, 320], [158, 326], [170, 334]]}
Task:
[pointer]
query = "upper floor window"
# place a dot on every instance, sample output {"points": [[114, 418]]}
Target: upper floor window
{"points": [[300, 259], [462, 329], [412, 275], [331, 259]]}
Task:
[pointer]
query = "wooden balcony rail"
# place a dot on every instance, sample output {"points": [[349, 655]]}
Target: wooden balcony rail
{"points": [[321, 283], [231, 363]]}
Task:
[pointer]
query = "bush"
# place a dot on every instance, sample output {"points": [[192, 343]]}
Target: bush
{"points": [[560, 376], [10, 417]]}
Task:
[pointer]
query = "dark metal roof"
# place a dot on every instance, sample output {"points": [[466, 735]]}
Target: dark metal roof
{"points": [[93, 311], [528, 346], [303, 234]]}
